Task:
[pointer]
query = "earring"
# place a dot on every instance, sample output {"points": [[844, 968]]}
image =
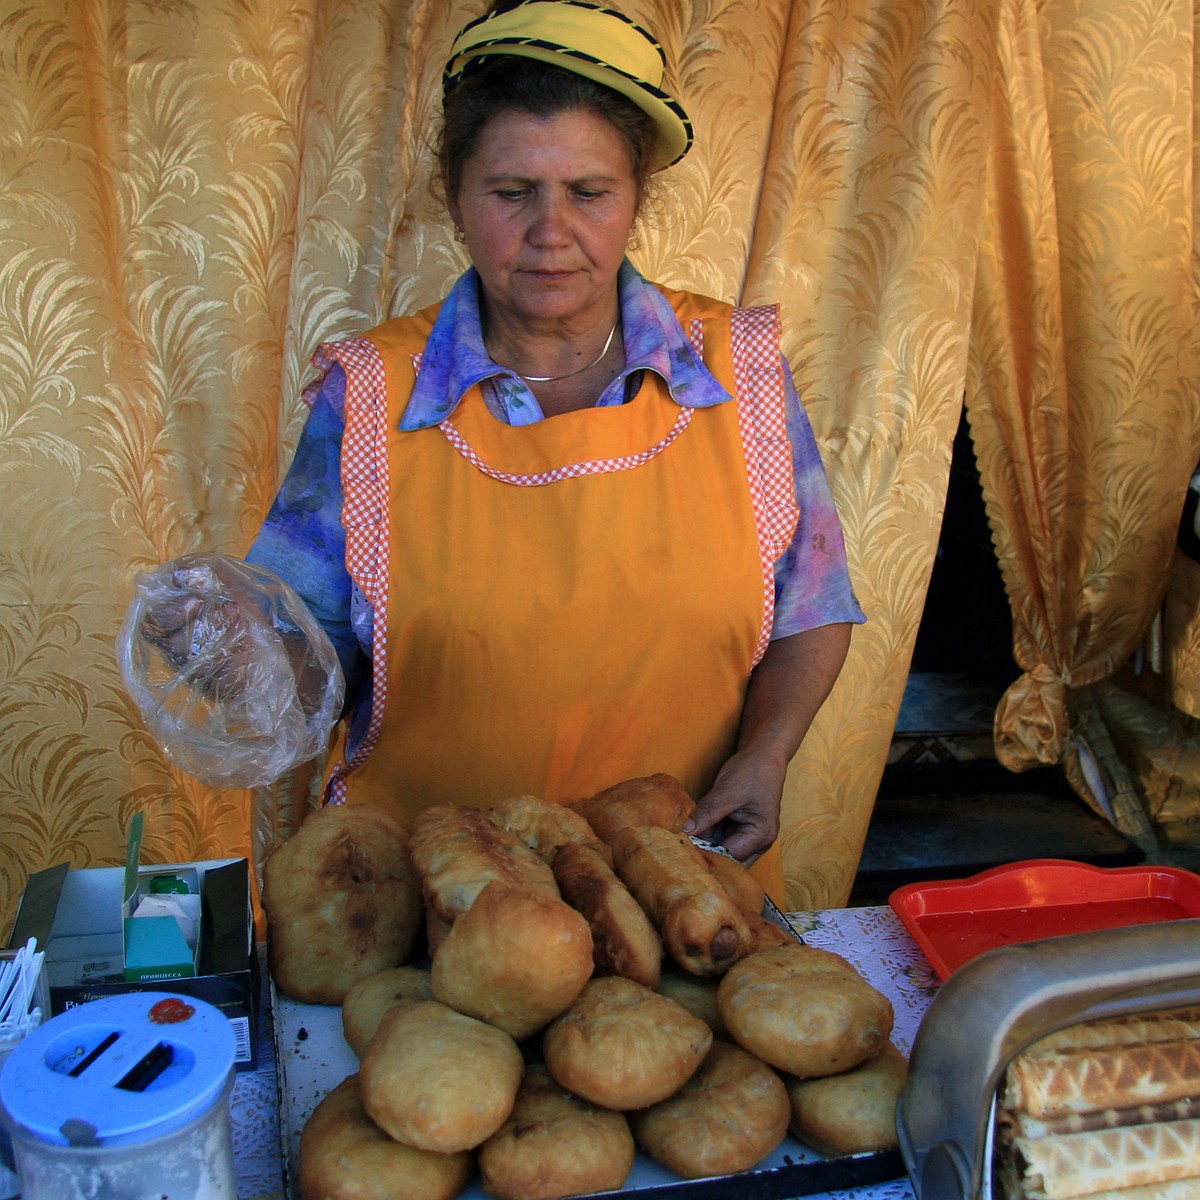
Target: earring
{"points": [[459, 236]]}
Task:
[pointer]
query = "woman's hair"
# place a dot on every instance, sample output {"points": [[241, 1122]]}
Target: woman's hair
{"points": [[507, 83]]}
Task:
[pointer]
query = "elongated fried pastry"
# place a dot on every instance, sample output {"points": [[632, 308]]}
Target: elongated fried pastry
{"points": [[458, 851], [344, 1155], [624, 941], [728, 1116], [649, 800], [766, 935], [516, 959], [555, 1144], [750, 897], [544, 826], [701, 927], [744, 890]]}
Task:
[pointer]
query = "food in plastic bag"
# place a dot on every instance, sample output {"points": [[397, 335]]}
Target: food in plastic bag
{"points": [[232, 674]]}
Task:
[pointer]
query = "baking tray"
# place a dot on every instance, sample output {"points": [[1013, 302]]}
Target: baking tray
{"points": [[955, 920], [313, 1057]]}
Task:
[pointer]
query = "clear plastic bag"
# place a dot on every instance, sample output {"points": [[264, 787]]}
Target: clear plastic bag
{"points": [[231, 672]]}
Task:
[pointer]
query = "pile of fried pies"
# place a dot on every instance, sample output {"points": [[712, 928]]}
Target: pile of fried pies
{"points": [[536, 991]]}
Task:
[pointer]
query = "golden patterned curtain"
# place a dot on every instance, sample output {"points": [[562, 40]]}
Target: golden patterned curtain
{"points": [[1082, 403], [195, 194]]}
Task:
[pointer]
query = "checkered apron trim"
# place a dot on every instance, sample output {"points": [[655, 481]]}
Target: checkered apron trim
{"points": [[758, 373], [599, 466], [364, 516]]}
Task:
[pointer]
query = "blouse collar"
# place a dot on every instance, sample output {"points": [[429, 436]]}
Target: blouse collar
{"points": [[455, 359]]}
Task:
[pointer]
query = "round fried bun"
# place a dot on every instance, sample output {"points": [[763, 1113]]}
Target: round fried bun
{"points": [[805, 1011], [437, 1079], [622, 1046], [344, 1155], [555, 1144], [729, 1116]]}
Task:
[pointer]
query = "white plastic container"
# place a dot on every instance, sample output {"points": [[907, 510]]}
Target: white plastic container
{"points": [[124, 1098], [22, 1019], [10, 1185]]}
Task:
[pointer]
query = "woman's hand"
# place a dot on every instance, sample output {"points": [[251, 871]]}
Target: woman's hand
{"points": [[233, 676], [786, 689], [747, 794], [196, 618]]}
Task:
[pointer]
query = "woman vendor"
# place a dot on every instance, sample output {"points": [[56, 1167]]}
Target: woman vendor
{"points": [[566, 527]]}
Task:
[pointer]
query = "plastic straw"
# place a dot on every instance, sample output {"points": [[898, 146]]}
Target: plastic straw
{"points": [[17, 989]]}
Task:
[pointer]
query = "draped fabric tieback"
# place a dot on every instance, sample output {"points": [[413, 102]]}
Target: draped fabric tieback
{"points": [[1032, 721]]}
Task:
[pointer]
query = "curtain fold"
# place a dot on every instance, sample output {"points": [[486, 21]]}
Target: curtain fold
{"points": [[197, 194], [867, 233], [1081, 400]]}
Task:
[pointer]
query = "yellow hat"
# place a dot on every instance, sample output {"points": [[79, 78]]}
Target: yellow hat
{"points": [[620, 54]]}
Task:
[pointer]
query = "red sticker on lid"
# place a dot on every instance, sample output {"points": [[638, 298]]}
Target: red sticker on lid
{"points": [[171, 1011]]}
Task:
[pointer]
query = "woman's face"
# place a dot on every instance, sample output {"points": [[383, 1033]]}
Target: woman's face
{"points": [[547, 205]]}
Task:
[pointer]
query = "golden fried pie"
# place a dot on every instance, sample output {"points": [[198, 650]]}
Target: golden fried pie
{"points": [[344, 1155], [622, 1046], [438, 1079], [696, 993], [728, 1117], [555, 1144], [516, 958], [370, 998], [342, 901], [852, 1112], [805, 1011]]}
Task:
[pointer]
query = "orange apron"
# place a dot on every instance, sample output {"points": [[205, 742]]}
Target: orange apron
{"points": [[564, 605]]}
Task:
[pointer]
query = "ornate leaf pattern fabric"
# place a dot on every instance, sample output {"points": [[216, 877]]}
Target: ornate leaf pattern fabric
{"points": [[1082, 402], [194, 195]]}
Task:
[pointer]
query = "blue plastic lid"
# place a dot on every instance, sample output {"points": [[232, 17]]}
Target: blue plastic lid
{"points": [[119, 1070]]}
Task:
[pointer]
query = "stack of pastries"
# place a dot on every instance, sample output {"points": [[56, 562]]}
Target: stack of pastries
{"points": [[1107, 1110], [590, 982]]}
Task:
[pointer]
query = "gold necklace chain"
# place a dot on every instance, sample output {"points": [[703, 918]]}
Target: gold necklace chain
{"points": [[578, 370]]}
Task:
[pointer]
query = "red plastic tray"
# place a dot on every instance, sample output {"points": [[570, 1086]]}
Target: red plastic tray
{"points": [[953, 920]]}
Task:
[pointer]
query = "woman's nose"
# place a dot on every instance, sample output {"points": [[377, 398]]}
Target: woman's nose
{"points": [[549, 225]]}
